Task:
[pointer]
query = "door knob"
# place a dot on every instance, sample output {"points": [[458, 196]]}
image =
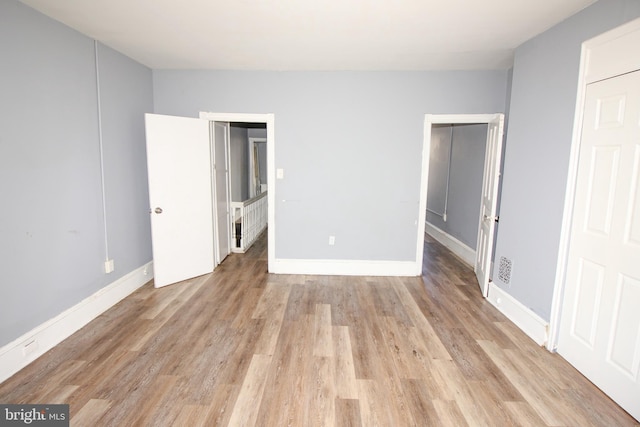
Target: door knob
{"points": [[158, 210]]}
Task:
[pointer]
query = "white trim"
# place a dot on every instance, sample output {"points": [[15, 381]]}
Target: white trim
{"points": [[25, 349], [424, 184], [525, 319], [446, 119], [607, 54], [586, 63], [101, 151], [269, 119], [565, 229], [430, 119], [344, 267], [463, 251]]}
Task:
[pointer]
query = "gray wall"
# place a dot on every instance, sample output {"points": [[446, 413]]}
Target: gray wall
{"points": [[257, 133], [543, 98], [357, 175], [239, 163], [126, 93], [496, 232], [52, 244], [469, 143]]}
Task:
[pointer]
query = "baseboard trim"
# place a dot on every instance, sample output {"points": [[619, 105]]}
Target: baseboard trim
{"points": [[345, 267], [27, 348], [463, 251], [525, 319]]}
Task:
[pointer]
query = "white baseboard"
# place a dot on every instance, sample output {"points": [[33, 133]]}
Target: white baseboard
{"points": [[27, 348], [463, 251], [530, 323], [345, 267]]}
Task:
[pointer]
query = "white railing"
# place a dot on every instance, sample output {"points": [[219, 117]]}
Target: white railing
{"points": [[249, 220]]}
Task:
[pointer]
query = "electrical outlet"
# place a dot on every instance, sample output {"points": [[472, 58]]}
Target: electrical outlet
{"points": [[109, 266], [332, 240]]}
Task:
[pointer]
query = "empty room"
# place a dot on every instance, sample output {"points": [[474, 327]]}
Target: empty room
{"points": [[302, 213]]}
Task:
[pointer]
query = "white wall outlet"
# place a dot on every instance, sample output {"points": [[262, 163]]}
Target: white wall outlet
{"points": [[332, 240], [109, 266], [280, 173]]}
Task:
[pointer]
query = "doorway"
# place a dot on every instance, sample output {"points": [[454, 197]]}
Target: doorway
{"points": [[267, 120], [456, 166], [487, 217], [249, 184], [188, 170]]}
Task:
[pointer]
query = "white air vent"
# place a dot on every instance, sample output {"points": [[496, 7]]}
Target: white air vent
{"points": [[504, 270]]}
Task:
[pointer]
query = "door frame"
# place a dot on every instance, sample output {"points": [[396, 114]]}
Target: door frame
{"points": [[269, 120], [429, 120], [601, 57]]}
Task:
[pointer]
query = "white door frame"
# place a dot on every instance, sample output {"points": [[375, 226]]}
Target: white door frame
{"points": [[429, 120], [598, 61], [269, 120]]}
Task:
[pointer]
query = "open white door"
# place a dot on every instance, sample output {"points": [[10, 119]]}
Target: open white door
{"points": [[489, 203], [179, 167], [600, 327], [220, 136]]}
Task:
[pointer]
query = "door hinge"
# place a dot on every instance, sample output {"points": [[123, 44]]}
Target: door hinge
{"points": [[497, 218]]}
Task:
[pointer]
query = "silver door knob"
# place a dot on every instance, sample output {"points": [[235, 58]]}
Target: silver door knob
{"points": [[158, 210]]}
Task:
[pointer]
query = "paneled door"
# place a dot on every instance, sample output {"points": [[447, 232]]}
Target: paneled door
{"points": [[220, 143], [180, 196], [489, 203], [600, 327]]}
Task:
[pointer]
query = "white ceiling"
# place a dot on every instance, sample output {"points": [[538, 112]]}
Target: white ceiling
{"points": [[313, 34]]}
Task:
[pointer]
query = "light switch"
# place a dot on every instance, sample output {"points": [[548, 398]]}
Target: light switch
{"points": [[280, 173]]}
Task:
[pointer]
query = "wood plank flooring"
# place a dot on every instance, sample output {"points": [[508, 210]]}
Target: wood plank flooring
{"points": [[241, 347]]}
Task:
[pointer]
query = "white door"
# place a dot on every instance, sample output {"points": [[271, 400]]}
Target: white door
{"points": [[220, 135], [600, 325], [489, 203], [179, 167]]}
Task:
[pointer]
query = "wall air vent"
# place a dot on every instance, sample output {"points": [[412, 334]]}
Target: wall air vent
{"points": [[504, 270]]}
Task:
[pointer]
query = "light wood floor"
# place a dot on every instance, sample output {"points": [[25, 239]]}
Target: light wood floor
{"points": [[241, 347]]}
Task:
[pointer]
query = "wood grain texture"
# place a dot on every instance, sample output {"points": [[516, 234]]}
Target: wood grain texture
{"points": [[241, 347]]}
